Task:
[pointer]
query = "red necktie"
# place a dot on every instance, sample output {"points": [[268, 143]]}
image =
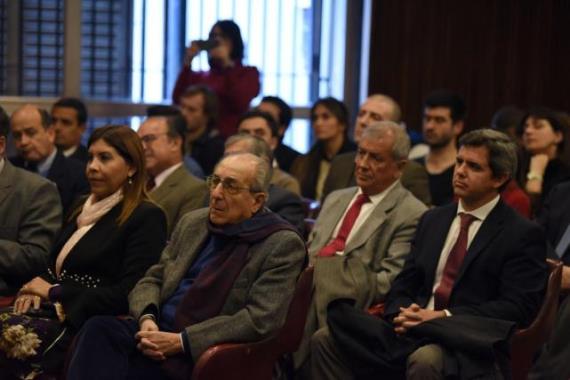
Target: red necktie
{"points": [[453, 264], [337, 245]]}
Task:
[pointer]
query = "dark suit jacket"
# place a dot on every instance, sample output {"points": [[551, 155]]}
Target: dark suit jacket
{"points": [[306, 167], [207, 151], [503, 276], [555, 218], [30, 218], [103, 267], [81, 154], [287, 205], [285, 156], [68, 175], [341, 175]]}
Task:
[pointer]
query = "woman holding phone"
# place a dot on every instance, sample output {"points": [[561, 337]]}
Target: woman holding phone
{"points": [[235, 85]]}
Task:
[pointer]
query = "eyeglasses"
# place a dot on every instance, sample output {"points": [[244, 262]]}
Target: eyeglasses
{"points": [[228, 184], [148, 139]]}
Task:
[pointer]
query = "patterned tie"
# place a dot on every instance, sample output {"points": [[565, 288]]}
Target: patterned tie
{"points": [[453, 264], [337, 245]]}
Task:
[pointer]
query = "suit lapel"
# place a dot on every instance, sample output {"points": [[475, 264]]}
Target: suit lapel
{"points": [[375, 219], [437, 236], [490, 228], [336, 212], [193, 243], [165, 187], [6, 180]]}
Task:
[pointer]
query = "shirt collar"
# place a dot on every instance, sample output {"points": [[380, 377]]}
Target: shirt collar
{"points": [[377, 198], [45, 165], [1, 164], [482, 212], [70, 151], [159, 179]]}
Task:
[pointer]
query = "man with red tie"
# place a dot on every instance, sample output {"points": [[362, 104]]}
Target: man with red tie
{"points": [[477, 264], [363, 233]]}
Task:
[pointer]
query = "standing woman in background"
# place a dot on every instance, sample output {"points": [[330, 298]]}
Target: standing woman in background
{"points": [[329, 121], [543, 133], [103, 250], [235, 85]]}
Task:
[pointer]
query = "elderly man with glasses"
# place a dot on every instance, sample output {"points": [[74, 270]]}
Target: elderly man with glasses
{"points": [[227, 275]]}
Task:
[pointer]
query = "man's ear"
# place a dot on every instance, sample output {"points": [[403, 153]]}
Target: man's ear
{"points": [[259, 201], [2, 146], [458, 127]]}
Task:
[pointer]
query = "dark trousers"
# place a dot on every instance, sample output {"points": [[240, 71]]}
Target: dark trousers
{"points": [[106, 349]]}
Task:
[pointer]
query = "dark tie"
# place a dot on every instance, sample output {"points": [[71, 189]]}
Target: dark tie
{"points": [[453, 264], [337, 245], [150, 184]]}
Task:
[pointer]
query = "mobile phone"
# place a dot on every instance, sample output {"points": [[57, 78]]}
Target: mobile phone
{"points": [[207, 44]]}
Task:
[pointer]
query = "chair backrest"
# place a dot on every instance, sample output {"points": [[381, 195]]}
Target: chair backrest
{"points": [[526, 342], [291, 333]]}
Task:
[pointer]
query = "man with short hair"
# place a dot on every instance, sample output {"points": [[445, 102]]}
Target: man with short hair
{"points": [[30, 217], [377, 107], [363, 234], [69, 118], [170, 185], [199, 106], [227, 275], [34, 138], [282, 114], [261, 124], [444, 112], [476, 271], [283, 202]]}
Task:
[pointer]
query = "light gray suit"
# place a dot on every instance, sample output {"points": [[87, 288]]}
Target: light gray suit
{"points": [[256, 305], [30, 217], [180, 193], [372, 258]]}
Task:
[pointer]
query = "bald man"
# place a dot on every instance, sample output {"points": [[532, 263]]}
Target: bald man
{"points": [[377, 107], [34, 138]]}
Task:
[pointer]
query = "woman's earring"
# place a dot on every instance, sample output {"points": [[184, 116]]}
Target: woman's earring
{"points": [[130, 180]]}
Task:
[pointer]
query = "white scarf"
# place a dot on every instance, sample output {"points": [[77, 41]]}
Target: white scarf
{"points": [[90, 214]]}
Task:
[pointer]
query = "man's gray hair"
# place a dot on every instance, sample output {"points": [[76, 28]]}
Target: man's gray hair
{"points": [[380, 129], [502, 150], [262, 175]]}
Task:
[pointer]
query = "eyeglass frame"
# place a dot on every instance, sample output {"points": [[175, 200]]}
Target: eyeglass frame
{"points": [[232, 190]]}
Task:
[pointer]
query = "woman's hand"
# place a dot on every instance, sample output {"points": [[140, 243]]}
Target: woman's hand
{"points": [[190, 53], [25, 301], [538, 163], [37, 286]]}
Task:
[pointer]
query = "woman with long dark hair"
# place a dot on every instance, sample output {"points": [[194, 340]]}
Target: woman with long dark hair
{"points": [[105, 247], [543, 133], [329, 121]]}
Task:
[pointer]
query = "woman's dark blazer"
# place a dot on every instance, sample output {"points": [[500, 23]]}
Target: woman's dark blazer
{"points": [[306, 167], [103, 267]]}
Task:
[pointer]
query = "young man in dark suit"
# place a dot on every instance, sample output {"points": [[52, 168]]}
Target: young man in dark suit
{"points": [[477, 264], [69, 120]]}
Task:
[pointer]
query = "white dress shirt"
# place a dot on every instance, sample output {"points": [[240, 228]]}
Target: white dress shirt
{"points": [[481, 214], [365, 212], [159, 179]]}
